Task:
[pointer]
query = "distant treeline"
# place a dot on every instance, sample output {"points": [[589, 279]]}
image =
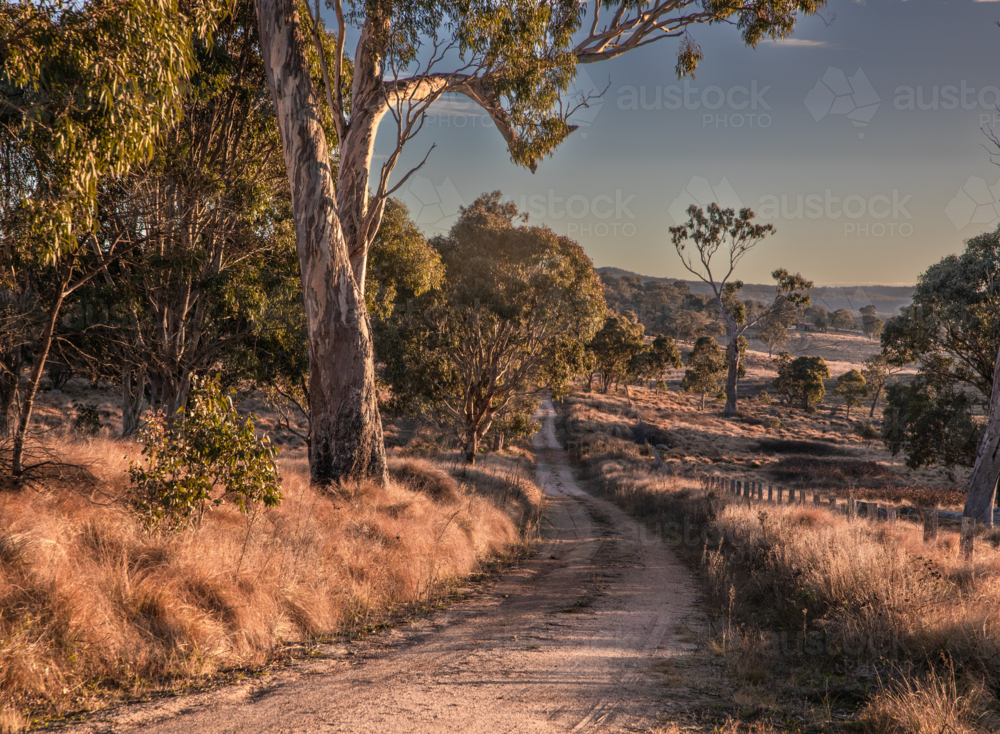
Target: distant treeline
{"points": [[887, 299]]}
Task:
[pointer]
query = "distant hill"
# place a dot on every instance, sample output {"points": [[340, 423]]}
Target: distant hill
{"points": [[887, 299]]}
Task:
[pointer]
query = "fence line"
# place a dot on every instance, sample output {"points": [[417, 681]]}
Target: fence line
{"points": [[747, 492]]}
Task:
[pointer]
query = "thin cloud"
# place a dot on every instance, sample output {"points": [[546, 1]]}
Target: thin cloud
{"points": [[806, 43]]}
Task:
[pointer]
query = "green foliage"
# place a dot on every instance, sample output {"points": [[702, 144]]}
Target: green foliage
{"points": [[401, 263], [512, 316], [851, 387], [952, 332], [931, 424], [91, 85], [763, 398], [801, 379], [871, 324], [662, 356], [773, 334], [618, 348], [87, 421], [842, 319], [206, 455], [866, 432], [706, 366]]}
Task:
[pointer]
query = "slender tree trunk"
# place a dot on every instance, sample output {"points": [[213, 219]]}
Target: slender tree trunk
{"points": [[133, 398], [983, 482], [10, 375], [732, 377], [44, 345], [346, 440], [878, 394], [703, 401]]}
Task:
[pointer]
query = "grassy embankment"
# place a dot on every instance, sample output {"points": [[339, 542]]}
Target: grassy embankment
{"points": [[93, 609], [823, 624]]}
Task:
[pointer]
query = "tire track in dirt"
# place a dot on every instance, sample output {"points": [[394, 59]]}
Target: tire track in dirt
{"points": [[578, 639]]}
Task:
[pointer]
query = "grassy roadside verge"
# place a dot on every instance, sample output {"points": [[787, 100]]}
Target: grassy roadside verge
{"points": [[94, 610], [823, 624]]}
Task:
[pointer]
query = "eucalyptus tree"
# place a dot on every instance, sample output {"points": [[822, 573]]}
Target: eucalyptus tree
{"points": [[86, 87], [511, 319], [732, 235], [514, 58], [208, 223]]}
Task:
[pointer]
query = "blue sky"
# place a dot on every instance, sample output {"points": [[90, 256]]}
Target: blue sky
{"points": [[868, 177]]}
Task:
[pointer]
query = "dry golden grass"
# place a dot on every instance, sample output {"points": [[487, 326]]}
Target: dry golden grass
{"points": [[92, 607], [799, 585]]}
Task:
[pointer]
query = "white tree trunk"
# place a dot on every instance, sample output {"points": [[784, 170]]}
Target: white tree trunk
{"points": [[346, 440], [983, 482]]}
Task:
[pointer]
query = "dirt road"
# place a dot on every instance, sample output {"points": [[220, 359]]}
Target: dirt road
{"points": [[581, 638]]}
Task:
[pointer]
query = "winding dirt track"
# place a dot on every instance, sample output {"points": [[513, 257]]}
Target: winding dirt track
{"points": [[578, 639]]}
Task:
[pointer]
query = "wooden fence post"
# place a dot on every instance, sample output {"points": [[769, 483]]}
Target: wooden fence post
{"points": [[878, 511], [770, 493], [930, 525], [732, 486], [891, 516], [779, 495], [815, 498], [852, 509], [802, 496], [968, 536]]}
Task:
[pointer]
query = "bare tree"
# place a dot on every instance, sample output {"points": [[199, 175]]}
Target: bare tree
{"points": [[407, 57], [734, 235]]}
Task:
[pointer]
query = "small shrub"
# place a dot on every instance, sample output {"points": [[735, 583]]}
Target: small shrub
{"points": [[87, 421], [210, 453], [763, 398], [866, 432], [773, 423]]}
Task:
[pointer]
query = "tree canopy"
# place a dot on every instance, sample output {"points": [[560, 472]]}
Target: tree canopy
{"points": [[512, 316]]}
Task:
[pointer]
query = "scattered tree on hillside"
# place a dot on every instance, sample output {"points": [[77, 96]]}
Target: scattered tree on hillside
{"points": [[850, 388], [617, 348], [842, 319], [735, 235], [773, 334], [706, 366], [877, 371], [511, 318], [801, 379], [871, 324], [661, 357], [515, 60], [818, 316]]}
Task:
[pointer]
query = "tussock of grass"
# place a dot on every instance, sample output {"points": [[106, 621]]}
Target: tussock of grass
{"points": [[92, 607]]}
